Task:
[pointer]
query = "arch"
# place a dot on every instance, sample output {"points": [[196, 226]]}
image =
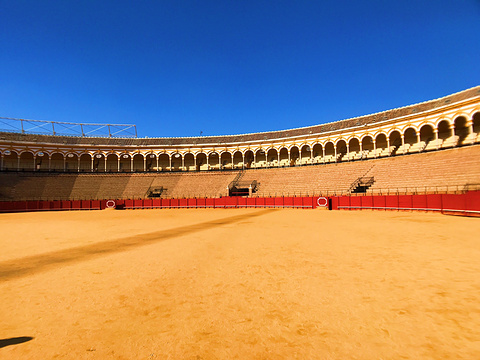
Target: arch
{"points": [[395, 141], [71, 162], [294, 155], [26, 161], [202, 163], [189, 161], [381, 144], [410, 136], [368, 147], [99, 162], [354, 152], [426, 133], [272, 157], [283, 155], [176, 161], [125, 163], [444, 130], [41, 161], [305, 154], [10, 160], [329, 151], [249, 157], [341, 146], [56, 162], [138, 162], [260, 158], [317, 153], [461, 129], [226, 160], [164, 162], [476, 125], [237, 159], [85, 163], [112, 162], [213, 161]]}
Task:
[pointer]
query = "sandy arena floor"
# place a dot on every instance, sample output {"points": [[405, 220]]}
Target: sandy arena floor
{"points": [[239, 284]]}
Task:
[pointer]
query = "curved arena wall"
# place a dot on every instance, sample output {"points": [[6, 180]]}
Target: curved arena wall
{"points": [[438, 124]]}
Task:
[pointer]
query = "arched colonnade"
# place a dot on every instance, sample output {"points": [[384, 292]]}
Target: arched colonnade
{"points": [[444, 133]]}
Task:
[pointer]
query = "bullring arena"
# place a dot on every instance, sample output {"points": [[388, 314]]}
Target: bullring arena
{"points": [[225, 247]]}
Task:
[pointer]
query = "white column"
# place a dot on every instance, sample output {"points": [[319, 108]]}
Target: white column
{"points": [[118, 167], [105, 161], [145, 163], [131, 163], [170, 159], [78, 164], [157, 163], [435, 131]]}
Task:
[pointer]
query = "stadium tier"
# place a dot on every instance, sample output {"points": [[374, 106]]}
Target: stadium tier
{"points": [[430, 147]]}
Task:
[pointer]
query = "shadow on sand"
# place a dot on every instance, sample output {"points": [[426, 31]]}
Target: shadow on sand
{"points": [[16, 268], [14, 341]]}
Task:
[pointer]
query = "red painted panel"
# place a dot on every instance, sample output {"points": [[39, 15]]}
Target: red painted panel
{"points": [[220, 202], [251, 202], [367, 201], [356, 201], [270, 202], [96, 204], [165, 203], [147, 203], [201, 202], [334, 202], [231, 202], [379, 202], [182, 203], [8, 205], [472, 201], [66, 204], [278, 201], [344, 201], [405, 201], [32, 205], [76, 204], [174, 203], [192, 203], [297, 201], [288, 201], [209, 202], [157, 202], [260, 202], [241, 202], [86, 204], [129, 204], [419, 201], [434, 201], [391, 202], [454, 201], [138, 203], [308, 201]]}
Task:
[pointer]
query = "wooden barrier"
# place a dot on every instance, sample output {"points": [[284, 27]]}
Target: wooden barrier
{"points": [[464, 204]]}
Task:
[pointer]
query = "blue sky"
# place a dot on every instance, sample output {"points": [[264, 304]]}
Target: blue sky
{"points": [[176, 68]]}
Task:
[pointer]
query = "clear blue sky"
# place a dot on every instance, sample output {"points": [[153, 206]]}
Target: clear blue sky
{"points": [[176, 68]]}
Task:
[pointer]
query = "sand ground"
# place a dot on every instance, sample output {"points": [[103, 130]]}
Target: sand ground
{"points": [[239, 284]]}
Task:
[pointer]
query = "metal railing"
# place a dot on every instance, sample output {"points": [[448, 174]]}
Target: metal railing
{"points": [[58, 128]]}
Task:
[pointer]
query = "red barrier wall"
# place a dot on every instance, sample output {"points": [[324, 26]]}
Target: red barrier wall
{"points": [[465, 204]]}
